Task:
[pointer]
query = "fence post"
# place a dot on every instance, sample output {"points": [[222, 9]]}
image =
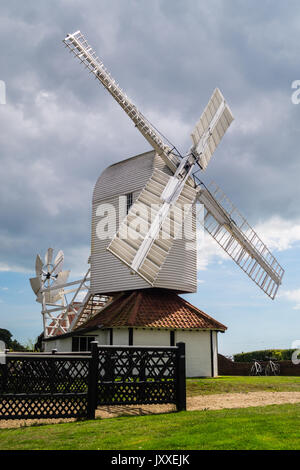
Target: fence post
{"points": [[142, 377], [93, 380], [180, 377], [52, 386], [3, 378]]}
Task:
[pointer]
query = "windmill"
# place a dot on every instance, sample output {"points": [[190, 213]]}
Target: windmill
{"points": [[167, 192], [165, 196], [49, 274], [49, 286]]}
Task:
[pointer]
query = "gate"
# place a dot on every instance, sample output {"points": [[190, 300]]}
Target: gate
{"points": [[67, 385], [128, 375]]}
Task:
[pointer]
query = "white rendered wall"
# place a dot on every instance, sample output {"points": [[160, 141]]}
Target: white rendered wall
{"points": [[62, 345], [120, 336], [197, 345], [151, 337], [102, 336], [49, 345], [215, 352], [198, 356], [65, 344]]}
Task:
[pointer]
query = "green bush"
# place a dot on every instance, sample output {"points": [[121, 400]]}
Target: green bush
{"points": [[279, 354]]}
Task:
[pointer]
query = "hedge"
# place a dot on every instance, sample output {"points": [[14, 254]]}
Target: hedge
{"points": [[279, 354]]}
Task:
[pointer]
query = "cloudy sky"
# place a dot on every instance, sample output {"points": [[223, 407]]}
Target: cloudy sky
{"points": [[60, 129]]}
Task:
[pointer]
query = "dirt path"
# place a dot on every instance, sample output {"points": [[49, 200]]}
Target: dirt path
{"points": [[241, 400], [201, 402], [206, 402]]}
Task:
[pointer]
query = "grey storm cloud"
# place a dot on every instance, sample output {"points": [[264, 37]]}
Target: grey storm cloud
{"points": [[60, 129]]}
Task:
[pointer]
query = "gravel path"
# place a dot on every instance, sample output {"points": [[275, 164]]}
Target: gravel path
{"points": [[241, 400], [201, 402]]}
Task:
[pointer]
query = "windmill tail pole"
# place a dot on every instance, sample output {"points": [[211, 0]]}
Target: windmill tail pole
{"points": [[81, 49]]}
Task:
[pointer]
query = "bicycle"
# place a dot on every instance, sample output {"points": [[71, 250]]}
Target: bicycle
{"points": [[272, 368], [256, 368]]}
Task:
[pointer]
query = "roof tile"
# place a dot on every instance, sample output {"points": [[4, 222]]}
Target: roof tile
{"points": [[153, 308]]}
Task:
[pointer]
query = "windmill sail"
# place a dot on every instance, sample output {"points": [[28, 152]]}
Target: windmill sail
{"points": [[144, 248], [38, 265], [81, 49], [143, 252], [144, 238], [211, 127], [237, 238], [58, 263], [48, 256], [48, 273]]}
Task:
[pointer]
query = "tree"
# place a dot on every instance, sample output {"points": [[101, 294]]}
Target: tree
{"points": [[10, 343], [30, 345], [5, 336]]}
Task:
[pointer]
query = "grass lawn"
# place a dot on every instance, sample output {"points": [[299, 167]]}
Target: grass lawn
{"points": [[239, 384], [270, 427]]}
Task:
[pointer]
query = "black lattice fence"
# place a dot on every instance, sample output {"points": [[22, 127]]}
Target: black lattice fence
{"points": [[67, 385], [44, 386], [141, 375]]}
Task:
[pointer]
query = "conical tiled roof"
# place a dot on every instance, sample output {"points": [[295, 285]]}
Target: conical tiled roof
{"points": [[152, 308]]}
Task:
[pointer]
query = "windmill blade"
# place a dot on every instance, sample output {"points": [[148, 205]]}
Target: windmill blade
{"points": [[36, 284], [62, 278], [237, 238], [48, 256], [211, 127], [56, 293], [38, 265], [50, 297], [79, 46], [147, 233], [58, 263]]}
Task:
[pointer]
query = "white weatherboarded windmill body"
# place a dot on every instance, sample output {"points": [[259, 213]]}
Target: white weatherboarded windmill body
{"points": [[144, 245]]}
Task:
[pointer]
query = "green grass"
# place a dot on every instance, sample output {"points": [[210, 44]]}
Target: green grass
{"points": [[239, 384], [270, 427]]}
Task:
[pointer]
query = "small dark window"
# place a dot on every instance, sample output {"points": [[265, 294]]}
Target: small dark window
{"points": [[172, 338], [130, 336], [129, 201], [82, 343], [75, 344]]}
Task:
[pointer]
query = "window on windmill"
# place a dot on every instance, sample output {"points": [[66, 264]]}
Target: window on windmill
{"points": [[82, 343], [129, 201]]}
